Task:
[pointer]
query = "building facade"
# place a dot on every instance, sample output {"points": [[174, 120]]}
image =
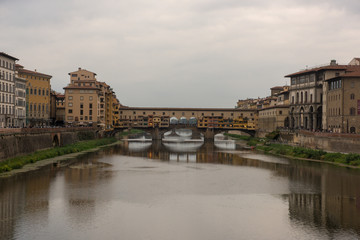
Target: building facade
{"points": [[20, 102], [7, 90], [343, 98], [275, 115], [37, 97], [308, 101]]}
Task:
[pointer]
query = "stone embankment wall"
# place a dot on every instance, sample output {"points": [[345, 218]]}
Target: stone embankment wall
{"points": [[15, 142], [331, 142]]}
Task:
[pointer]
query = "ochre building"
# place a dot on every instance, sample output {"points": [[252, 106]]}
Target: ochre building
{"points": [[37, 96]]}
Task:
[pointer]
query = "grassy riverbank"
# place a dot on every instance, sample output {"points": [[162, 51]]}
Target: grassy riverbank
{"points": [[20, 161], [351, 159]]}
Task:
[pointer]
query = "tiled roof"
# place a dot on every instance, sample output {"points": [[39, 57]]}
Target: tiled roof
{"points": [[80, 87], [8, 56], [350, 74], [34, 73], [329, 67], [277, 88], [181, 109]]}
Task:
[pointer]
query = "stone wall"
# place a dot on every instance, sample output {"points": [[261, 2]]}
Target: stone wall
{"points": [[331, 142], [19, 143]]}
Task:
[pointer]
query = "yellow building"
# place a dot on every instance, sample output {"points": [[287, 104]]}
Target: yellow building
{"points": [[115, 114], [37, 96]]}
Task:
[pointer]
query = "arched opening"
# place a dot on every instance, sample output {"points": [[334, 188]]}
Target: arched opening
{"points": [[286, 122], [183, 121], [56, 141], [301, 125], [352, 130], [311, 118], [193, 121], [174, 121], [319, 118]]}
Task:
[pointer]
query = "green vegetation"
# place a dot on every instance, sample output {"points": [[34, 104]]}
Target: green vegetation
{"points": [[351, 159], [20, 161], [251, 141]]}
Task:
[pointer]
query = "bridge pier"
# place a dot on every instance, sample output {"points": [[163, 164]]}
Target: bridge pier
{"points": [[156, 134], [209, 135]]}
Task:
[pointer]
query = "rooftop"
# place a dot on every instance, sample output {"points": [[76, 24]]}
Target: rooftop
{"points": [[34, 73], [8, 56]]}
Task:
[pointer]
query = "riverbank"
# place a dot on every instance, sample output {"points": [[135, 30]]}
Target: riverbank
{"points": [[340, 159], [41, 158]]}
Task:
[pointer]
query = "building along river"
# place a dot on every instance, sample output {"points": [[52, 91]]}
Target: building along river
{"points": [[181, 189]]}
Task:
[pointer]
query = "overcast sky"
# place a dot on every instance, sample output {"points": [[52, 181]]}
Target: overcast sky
{"points": [[189, 53]]}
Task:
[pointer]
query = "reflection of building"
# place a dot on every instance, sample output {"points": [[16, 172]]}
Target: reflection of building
{"points": [[20, 198], [7, 90]]}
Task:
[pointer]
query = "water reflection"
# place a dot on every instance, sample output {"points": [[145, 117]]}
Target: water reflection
{"points": [[113, 192]]}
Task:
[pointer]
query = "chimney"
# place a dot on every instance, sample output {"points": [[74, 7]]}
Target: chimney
{"points": [[79, 68], [333, 63]]}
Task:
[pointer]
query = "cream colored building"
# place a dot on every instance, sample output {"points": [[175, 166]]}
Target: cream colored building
{"points": [[7, 90], [308, 95], [20, 102], [88, 101]]}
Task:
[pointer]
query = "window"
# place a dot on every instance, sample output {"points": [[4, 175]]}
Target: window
{"points": [[70, 104], [90, 112], [90, 98], [70, 97], [352, 96], [70, 111], [35, 91], [81, 112], [90, 105], [352, 111], [81, 105], [70, 118], [81, 98]]}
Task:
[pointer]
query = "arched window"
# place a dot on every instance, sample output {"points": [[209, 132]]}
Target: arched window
{"points": [[297, 97], [306, 97], [352, 130], [302, 97], [352, 111], [352, 96]]}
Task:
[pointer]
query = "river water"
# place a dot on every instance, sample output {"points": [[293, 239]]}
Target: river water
{"points": [[182, 189]]}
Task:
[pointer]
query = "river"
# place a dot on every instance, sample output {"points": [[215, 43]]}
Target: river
{"points": [[181, 189]]}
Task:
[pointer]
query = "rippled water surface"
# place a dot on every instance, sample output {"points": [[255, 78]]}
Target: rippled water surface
{"points": [[184, 189]]}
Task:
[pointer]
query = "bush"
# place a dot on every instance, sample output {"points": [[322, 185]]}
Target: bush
{"points": [[273, 135]]}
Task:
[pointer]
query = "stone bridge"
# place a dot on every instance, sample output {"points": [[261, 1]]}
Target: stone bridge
{"points": [[208, 133]]}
